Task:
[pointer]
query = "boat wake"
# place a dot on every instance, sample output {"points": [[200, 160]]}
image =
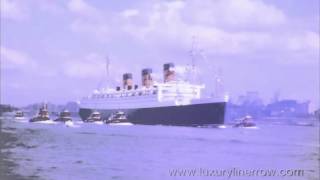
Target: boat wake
{"points": [[121, 124], [46, 122], [21, 120], [98, 123], [71, 124], [252, 127]]}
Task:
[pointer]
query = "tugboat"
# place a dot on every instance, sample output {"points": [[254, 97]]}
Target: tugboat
{"points": [[64, 116], [43, 115], [19, 115], [95, 117], [246, 122], [118, 118]]}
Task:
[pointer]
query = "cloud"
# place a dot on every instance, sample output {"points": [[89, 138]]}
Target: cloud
{"points": [[220, 13], [222, 27], [307, 40], [89, 20], [48, 6], [87, 67], [298, 48], [15, 59], [130, 13], [82, 8], [21, 10], [98, 30], [167, 24], [93, 65], [173, 23], [11, 9], [243, 13]]}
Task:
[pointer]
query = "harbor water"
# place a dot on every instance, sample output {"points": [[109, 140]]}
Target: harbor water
{"points": [[99, 152]]}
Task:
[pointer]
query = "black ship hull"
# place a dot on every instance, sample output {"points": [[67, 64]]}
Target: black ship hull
{"points": [[37, 119], [188, 115]]}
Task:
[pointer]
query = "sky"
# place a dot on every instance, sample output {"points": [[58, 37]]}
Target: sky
{"points": [[56, 50]]}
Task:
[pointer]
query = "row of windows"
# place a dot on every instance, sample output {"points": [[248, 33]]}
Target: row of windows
{"points": [[140, 93]]}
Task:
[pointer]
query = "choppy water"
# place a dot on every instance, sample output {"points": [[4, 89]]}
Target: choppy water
{"points": [[99, 152]]}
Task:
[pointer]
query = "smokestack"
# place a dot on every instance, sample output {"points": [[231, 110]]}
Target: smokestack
{"points": [[146, 77], [127, 81], [168, 72]]}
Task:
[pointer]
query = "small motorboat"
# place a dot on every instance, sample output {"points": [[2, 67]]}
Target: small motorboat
{"points": [[246, 122], [43, 115], [95, 117], [118, 118], [19, 115], [64, 116]]}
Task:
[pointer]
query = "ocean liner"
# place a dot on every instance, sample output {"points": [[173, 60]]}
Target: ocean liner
{"points": [[171, 102]]}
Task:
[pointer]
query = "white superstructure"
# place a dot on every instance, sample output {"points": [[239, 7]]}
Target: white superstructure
{"points": [[151, 94], [175, 93]]}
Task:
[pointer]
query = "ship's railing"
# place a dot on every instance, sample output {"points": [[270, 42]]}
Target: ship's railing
{"points": [[179, 92], [123, 93]]}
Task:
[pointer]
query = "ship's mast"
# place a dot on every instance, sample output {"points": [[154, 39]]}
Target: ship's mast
{"points": [[216, 73], [101, 84], [193, 53], [107, 69], [218, 83]]}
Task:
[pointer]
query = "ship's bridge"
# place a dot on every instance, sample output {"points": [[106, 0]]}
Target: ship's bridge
{"points": [[178, 91]]}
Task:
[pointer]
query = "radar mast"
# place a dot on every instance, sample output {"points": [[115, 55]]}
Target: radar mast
{"points": [[105, 79], [108, 71], [192, 72]]}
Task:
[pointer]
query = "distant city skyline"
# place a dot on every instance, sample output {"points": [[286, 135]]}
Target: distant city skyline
{"points": [[55, 51]]}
